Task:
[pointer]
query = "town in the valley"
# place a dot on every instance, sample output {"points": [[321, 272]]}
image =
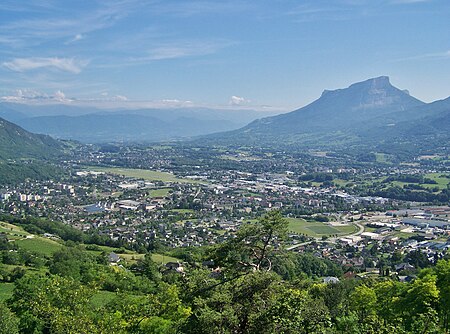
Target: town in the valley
{"points": [[157, 199]]}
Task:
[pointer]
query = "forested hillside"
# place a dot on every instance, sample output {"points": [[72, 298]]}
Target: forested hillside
{"points": [[15, 143], [246, 285], [26, 155]]}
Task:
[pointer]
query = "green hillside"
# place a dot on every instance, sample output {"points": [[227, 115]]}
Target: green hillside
{"points": [[16, 143], [26, 155]]}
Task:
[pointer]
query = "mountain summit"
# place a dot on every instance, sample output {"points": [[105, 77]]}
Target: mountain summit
{"points": [[340, 108], [372, 113]]}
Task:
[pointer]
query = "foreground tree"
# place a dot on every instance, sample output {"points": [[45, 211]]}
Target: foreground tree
{"points": [[53, 304], [9, 324], [256, 245]]}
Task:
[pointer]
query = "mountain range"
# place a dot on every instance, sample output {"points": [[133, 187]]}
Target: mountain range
{"points": [[372, 113], [93, 125]]}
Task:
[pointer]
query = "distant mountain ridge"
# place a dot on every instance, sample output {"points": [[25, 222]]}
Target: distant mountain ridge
{"points": [[137, 125], [369, 113]]}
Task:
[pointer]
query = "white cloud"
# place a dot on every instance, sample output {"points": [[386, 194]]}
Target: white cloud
{"points": [[60, 96], [119, 98], [63, 64], [238, 101], [106, 100], [33, 97]]}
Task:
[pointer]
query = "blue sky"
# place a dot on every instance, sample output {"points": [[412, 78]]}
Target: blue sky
{"points": [[276, 54]]}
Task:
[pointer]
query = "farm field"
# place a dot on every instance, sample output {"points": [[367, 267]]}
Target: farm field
{"points": [[442, 181], [158, 258], [28, 241], [12, 231], [318, 229], [40, 245], [145, 174], [132, 256]]}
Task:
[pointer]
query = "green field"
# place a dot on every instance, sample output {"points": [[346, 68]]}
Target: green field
{"points": [[442, 182], [318, 229], [6, 290], [182, 211], [145, 174], [382, 157], [323, 230], [158, 258], [162, 192], [13, 232], [36, 243], [163, 259], [40, 245]]}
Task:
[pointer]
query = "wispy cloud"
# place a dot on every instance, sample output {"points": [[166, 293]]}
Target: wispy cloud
{"points": [[35, 30], [318, 12], [76, 38], [192, 8], [180, 51], [407, 2], [425, 56], [176, 50], [70, 65]]}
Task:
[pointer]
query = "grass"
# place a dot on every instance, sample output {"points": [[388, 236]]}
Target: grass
{"points": [[162, 192], [442, 182], [13, 232], [145, 174], [36, 244], [403, 235], [39, 245], [183, 211], [382, 157], [318, 229], [323, 230], [6, 290], [158, 258], [163, 259]]}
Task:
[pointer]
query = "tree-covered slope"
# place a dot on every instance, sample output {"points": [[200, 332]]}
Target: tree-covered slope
{"points": [[16, 142]]}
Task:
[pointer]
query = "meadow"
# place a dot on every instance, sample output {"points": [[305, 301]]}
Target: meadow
{"points": [[318, 229], [149, 175]]}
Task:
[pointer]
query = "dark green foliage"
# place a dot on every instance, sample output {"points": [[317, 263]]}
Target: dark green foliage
{"points": [[8, 321], [258, 288], [16, 143], [24, 155], [256, 245], [14, 172]]}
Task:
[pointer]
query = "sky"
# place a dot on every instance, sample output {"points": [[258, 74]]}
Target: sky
{"points": [[259, 54]]}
